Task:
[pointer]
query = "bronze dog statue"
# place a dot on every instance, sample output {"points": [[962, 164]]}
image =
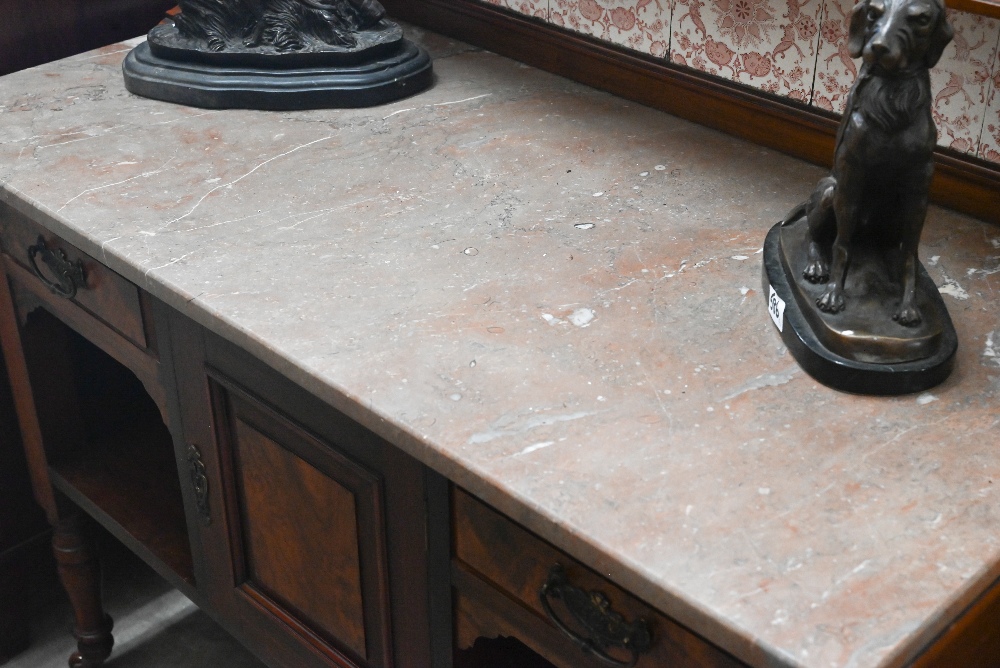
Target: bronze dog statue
{"points": [[877, 192]]}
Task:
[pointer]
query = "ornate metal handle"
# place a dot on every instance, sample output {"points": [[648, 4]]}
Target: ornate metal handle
{"points": [[199, 481], [592, 611], [68, 274]]}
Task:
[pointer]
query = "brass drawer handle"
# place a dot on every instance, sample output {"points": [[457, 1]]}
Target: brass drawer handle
{"points": [[199, 481], [68, 274], [592, 611]]}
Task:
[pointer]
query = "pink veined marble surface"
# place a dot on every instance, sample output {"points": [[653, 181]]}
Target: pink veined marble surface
{"points": [[553, 297]]}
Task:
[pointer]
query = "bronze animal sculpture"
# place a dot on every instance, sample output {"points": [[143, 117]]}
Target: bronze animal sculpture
{"points": [[883, 156], [278, 54], [863, 314], [287, 25]]}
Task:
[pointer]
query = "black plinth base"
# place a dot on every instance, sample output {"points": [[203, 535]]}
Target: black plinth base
{"points": [[839, 372], [388, 77]]}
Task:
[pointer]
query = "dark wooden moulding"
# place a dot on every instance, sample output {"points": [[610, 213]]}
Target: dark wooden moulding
{"points": [[961, 182], [36, 32]]}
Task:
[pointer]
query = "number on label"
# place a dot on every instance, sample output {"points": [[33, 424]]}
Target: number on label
{"points": [[776, 307]]}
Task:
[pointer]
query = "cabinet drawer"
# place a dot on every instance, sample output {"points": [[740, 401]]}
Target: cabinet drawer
{"points": [[102, 292], [499, 569]]}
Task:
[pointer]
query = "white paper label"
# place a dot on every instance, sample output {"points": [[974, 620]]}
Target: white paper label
{"points": [[776, 307]]}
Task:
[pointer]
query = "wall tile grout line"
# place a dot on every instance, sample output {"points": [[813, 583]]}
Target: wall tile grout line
{"points": [[819, 41], [990, 90], [670, 31]]}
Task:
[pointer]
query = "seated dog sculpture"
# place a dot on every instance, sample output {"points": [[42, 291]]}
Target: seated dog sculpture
{"points": [[845, 287], [877, 192]]}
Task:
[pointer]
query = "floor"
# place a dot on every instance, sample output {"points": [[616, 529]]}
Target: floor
{"points": [[155, 625], [158, 627]]}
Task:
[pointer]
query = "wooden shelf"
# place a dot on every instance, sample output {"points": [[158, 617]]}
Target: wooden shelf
{"points": [[128, 481]]}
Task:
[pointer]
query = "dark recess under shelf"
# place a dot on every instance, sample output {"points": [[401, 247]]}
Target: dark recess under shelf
{"points": [[128, 481], [118, 463]]}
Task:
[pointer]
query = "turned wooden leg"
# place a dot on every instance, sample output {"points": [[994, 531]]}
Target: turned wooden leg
{"points": [[80, 573]]}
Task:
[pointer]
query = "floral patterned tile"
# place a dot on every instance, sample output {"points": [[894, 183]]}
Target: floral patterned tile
{"points": [[767, 44], [989, 143], [960, 81], [537, 8], [642, 25], [835, 69]]}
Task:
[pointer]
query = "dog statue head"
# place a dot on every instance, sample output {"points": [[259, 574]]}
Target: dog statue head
{"points": [[899, 36]]}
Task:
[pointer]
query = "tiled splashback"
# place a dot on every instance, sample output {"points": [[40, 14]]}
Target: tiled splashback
{"points": [[795, 49]]}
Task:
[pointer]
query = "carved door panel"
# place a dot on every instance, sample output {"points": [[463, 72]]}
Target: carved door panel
{"points": [[317, 532]]}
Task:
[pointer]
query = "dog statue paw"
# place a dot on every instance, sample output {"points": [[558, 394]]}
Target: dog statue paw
{"points": [[860, 313], [832, 301], [907, 316], [818, 269]]}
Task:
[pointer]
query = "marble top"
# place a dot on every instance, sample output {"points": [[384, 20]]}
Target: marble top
{"points": [[553, 297]]}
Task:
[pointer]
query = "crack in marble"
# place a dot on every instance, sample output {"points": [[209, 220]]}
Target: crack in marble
{"points": [[173, 261], [73, 141], [237, 180], [228, 222], [903, 433], [116, 183], [185, 118], [764, 380], [104, 54], [60, 134], [534, 447], [438, 104], [528, 425], [104, 247]]}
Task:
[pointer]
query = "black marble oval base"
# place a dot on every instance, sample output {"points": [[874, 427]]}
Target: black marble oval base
{"points": [[386, 78], [837, 371]]}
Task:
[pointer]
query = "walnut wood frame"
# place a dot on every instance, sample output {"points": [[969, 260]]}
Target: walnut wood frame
{"points": [[961, 182], [231, 402], [407, 607]]}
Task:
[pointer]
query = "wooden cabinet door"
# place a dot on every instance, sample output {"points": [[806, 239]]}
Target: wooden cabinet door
{"points": [[318, 533], [306, 518]]}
